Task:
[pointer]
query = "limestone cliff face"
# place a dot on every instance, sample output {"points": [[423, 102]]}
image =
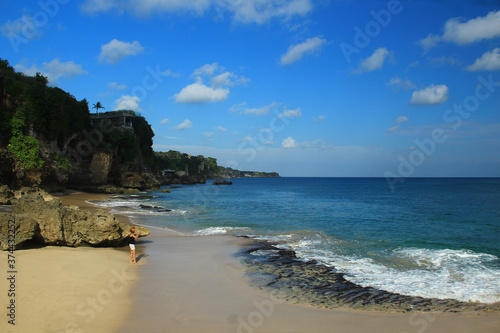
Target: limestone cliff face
{"points": [[47, 222], [100, 167]]}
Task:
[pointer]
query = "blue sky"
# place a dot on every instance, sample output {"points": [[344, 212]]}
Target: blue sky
{"points": [[304, 88]]}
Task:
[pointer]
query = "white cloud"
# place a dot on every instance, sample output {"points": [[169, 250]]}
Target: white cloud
{"points": [[432, 95], [114, 85], [319, 119], [291, 113], [170, 73], [297, 51], [116, 50], [220, 129], [184, 125], [489, 61], [128, 102], [209, 135], [207, 70], [289, 143], [401, 84], [248, 11], [199, 93], [393, 129], [401, 120], [54, 70], [373, 62], [462, 33], [165, 121], [142, 8], [24, 27], [292, 143], [241, 109], [228, 79], [262, 11]]}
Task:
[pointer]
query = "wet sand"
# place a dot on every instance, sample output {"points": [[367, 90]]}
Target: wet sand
{"points": [[195, 284]]}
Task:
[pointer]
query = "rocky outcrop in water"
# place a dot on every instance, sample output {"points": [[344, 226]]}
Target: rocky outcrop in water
{"points": [[43, 220], [279, 272], [222, 182]]}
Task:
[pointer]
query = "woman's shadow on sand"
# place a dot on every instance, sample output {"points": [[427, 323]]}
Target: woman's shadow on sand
{"points": [[140, 256]]}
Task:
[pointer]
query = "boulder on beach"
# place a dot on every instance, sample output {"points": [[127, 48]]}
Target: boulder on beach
{"points": [[40, 221]]}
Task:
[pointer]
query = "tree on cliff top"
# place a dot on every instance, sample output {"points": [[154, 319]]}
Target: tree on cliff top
{"points": [[98, 106]]}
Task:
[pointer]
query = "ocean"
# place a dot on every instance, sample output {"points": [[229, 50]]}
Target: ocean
{"points": [[431, 237]]}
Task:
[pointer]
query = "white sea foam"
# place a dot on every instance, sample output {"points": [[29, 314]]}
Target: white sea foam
{"points": [[463, 275], [133, 208], [220, 231]]}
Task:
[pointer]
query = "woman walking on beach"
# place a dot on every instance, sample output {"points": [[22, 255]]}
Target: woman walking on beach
{"points": [[131, 243]]}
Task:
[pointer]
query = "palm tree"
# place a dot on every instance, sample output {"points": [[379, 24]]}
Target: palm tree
{"points": [[98, 106]]}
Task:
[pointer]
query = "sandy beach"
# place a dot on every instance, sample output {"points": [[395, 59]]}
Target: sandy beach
{"points": [[194, 284], [181, 284]]}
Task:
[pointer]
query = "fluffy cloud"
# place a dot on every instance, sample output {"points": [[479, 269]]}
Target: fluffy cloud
{"points": [[289, 143], [54, 70], [291, 113], [297, 51], [128, 102], [432, 95], [461, 33], [490, 61], [248, 11], [116, 50], [184, 125], [228, 79], [199, 93], [373, 62], [165, 121]]}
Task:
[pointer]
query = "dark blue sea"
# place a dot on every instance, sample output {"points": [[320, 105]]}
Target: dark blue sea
{"points": [[431, 237]]}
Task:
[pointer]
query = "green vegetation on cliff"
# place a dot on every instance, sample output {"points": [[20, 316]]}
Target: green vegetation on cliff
{"points": [[194, 165], [44, 128]]}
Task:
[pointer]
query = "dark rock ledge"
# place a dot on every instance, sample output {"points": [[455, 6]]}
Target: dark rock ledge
{"points": [[280, 273]]}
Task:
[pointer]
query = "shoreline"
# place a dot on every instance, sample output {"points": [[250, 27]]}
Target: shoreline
{"points": [[184, 284], [197, 283]]}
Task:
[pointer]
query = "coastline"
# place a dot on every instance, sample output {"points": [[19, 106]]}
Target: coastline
{"points": [[196, 283], [64, 289], [182, 284]]}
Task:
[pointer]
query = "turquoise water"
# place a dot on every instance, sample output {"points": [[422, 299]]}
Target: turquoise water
{"points": [[430, 237]]}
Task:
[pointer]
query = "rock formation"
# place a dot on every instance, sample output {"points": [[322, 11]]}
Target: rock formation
{"points": [[45, 221]]}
